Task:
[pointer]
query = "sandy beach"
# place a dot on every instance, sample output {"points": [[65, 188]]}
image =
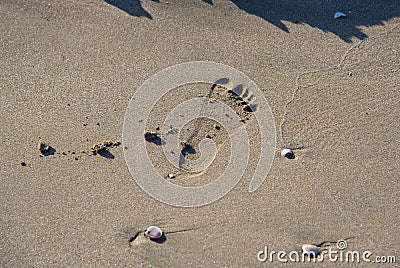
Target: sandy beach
{"points": [[70, 68]]}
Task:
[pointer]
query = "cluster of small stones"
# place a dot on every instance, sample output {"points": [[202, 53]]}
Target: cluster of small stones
{"points": [[103, 146]]}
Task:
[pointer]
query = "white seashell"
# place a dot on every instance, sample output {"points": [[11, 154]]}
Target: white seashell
{"points": [[153, 232], [339, 15], [288, 153], [310, 250]]}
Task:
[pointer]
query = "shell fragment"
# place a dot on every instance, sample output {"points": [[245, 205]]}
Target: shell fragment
{"points": [[153, 232], [339, 15], [310, 250]]}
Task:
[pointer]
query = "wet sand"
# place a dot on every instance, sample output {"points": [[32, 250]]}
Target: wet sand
{"points": [[70, 69]]}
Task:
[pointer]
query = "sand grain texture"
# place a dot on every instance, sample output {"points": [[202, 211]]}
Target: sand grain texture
{"points": [[69, 69]]}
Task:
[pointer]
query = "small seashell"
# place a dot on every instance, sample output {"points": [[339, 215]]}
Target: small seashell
{"points": [[310, 250], [339, 15], [288, 153], [153, 232]]}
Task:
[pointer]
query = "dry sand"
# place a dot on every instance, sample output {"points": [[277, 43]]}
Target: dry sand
{"points": [[69, 69]]}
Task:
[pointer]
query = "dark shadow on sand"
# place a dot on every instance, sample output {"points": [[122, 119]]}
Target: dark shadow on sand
{"points": [[106, 154], [316, 13], [160, 240], [319, 14], [132, 7], [188, 149], [154, 138]]}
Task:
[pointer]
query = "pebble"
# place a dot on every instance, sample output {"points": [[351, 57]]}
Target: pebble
{"points": [[310, 250], [339, 15], [288, 153], [151, 136], [101, 147], [45, 149]]}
